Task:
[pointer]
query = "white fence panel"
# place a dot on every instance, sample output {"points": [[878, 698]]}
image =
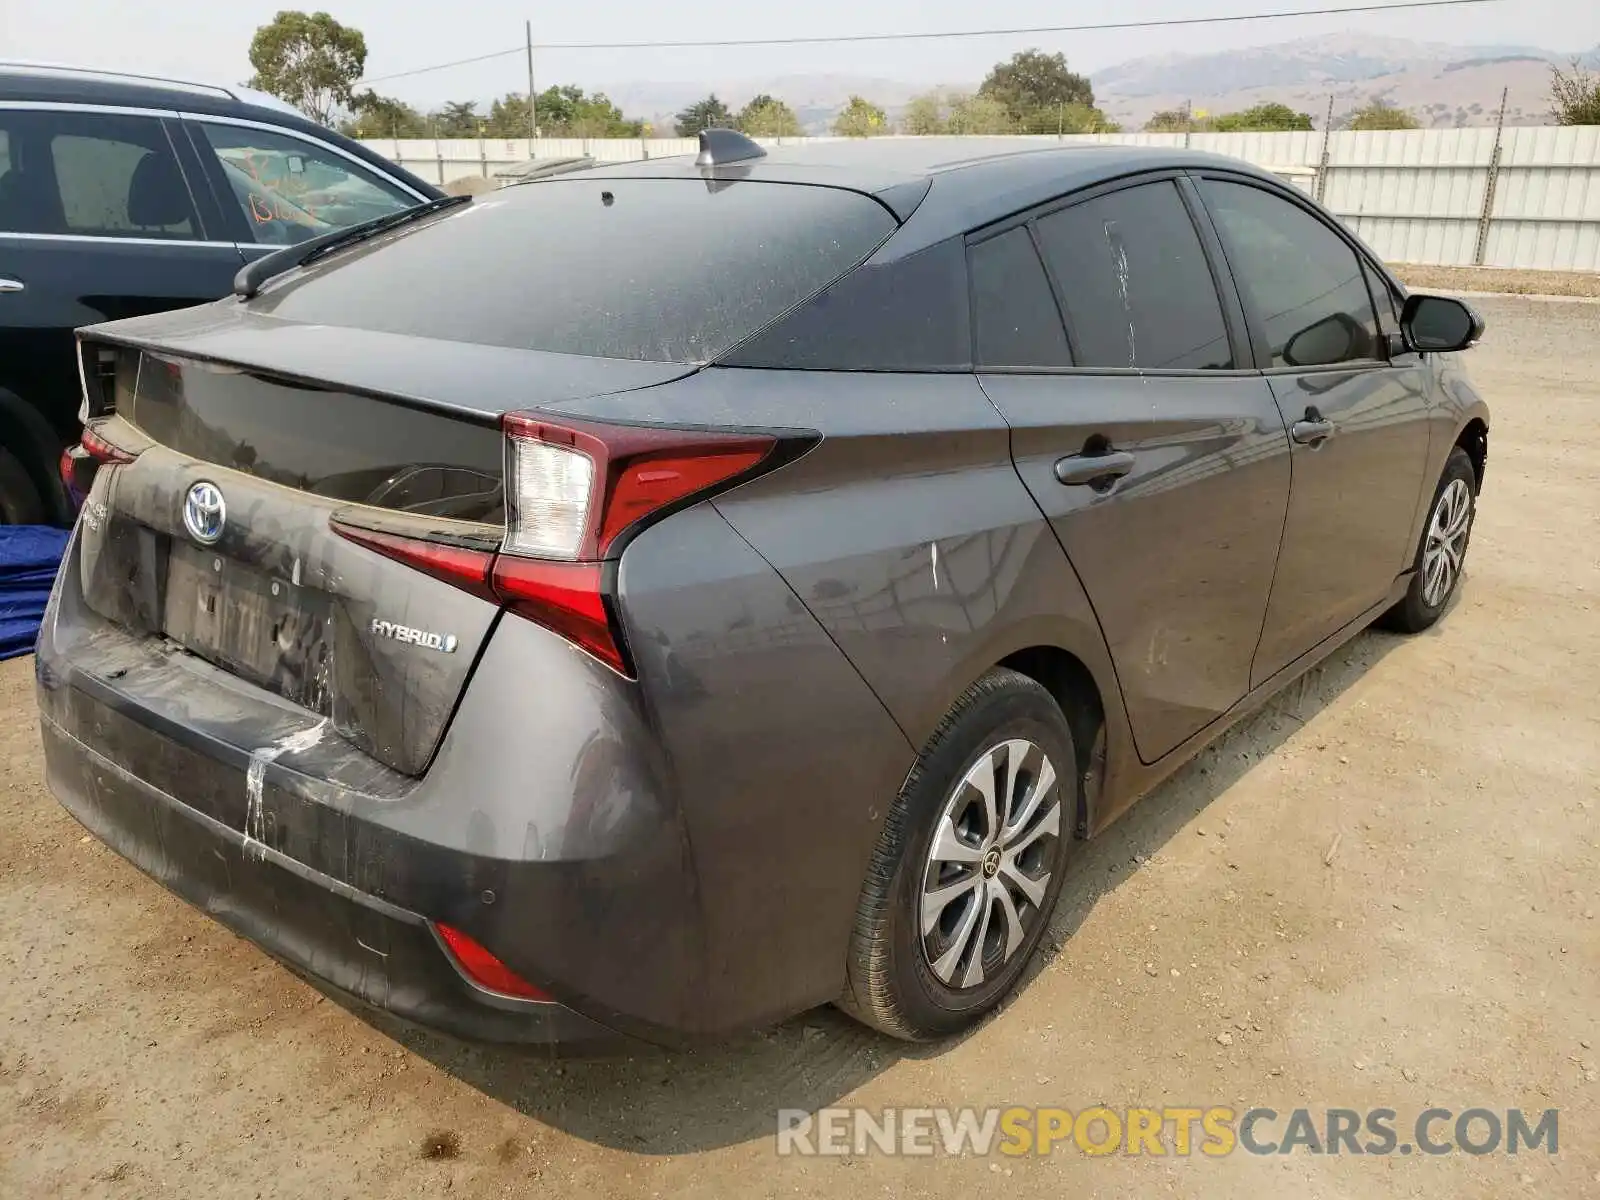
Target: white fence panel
{"points": [[1421, 195]]}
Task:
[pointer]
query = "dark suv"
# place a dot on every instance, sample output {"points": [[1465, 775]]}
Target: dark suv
{"points": [[122, 195]]}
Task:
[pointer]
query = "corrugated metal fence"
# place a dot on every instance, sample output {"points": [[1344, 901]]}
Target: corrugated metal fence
{"points": [[1526, 197]]}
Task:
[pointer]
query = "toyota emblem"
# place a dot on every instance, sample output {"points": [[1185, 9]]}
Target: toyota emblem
{"points": [[205, 512]]}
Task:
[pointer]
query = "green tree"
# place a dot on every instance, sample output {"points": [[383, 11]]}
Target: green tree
{"points": [[1380, 114], [1170, 120], [508, 117], [1032, 82], [860, 118], [310, 60], [979, 115], [1262, 117], [925, 115], [457, 119], [767, 116], [383, 116], [1575, 95], [709, 113]]}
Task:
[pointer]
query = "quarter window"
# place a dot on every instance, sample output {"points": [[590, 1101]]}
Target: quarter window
{"points": [[1014, 314], [1136, 284], [1303, 282], [290, 190]]}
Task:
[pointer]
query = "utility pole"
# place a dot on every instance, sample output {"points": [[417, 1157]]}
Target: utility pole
{"points": [[533, 115]]}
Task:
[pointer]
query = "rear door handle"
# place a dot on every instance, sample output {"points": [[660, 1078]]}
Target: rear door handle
{"points": [[10, 285], [1312, 433], [1078, 469]]}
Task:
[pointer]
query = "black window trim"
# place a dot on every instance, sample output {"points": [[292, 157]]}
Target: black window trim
{"points": [[164, 119], [1258, 338], [1233, 318]]}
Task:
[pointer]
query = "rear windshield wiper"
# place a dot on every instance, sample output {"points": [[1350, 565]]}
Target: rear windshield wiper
{"points": [[252, 276]]}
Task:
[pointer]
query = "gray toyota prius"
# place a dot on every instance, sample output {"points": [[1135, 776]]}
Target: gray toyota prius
{"points": [[655, 600]]}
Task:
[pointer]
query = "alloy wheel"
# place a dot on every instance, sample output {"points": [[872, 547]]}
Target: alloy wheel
{"points": [[989, 863], [1447, 542]]}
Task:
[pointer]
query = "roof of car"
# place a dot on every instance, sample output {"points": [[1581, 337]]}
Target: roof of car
{"points": [[974, 180], [50, 83], [54, 83]]}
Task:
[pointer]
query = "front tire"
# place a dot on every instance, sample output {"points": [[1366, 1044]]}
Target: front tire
{"points": [[969, 864], [1442, 554]]}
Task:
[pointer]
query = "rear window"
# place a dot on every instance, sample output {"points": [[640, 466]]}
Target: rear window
{"points": [[663, 269]]}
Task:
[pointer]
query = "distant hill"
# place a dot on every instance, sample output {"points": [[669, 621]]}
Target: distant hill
{"points": [[1441, 84]]}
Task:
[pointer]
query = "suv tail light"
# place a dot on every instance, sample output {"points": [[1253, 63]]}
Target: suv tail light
{"points": [[576, 491]]}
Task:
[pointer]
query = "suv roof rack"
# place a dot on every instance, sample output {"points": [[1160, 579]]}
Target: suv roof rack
{"points": [[208, 89]]}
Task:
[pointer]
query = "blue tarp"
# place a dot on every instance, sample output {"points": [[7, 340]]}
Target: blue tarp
{"points": [[29, 556]]}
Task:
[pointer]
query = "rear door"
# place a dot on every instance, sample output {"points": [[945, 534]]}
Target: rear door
{"points": [[1143, 433], [97, 221], [1358, 419]]}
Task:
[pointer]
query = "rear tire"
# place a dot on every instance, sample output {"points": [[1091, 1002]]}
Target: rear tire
{"points": [[20, 501], [960, 890], [1442, 552]]}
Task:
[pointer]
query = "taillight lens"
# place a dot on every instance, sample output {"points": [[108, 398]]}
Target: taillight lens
{"points": [[483, 968], [101, 450], [575, 491]]}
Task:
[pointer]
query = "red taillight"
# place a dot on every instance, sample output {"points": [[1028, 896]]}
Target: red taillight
{"points": [[566, 597], [574, 491], [468, 569], [101, 450], [574, 488], [483, 968]]}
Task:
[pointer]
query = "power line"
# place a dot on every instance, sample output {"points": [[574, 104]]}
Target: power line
{"points": [[917, 37]]}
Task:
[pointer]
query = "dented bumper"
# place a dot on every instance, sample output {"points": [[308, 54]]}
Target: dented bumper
{"points": [[556, 852]]}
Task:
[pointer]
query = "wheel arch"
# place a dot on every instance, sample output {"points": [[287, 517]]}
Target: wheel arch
{"points": [[1072, 684], [29, 436], [1474, 439]]}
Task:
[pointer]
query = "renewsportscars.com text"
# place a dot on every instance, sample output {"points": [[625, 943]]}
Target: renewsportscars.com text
{"points": [[1213, 1131]]}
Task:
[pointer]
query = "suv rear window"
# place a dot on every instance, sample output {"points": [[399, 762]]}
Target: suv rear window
{"points": [[663, 269]]}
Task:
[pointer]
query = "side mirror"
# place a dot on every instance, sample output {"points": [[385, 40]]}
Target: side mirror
{"points": [[1439, 323], [1330, 340]]}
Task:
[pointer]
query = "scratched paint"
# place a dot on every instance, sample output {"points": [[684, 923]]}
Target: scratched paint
{"points": [[933, 552], [1119, 259], [255, 778]]}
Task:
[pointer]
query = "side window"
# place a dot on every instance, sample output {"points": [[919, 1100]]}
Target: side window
{"points": [[1137, 287], [290, 190], [92, 174], [1014, 313], [1303, 281]]}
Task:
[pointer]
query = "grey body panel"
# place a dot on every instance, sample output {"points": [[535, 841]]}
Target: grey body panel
{"points": [[1348, 531], [472, 381], [907, 531], [1177, 557]]}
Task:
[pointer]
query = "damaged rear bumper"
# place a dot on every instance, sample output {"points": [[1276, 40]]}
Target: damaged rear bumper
{"points": [[542, 829], [359, 944]]}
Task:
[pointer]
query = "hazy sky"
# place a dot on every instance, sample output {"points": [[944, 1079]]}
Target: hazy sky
{"points": [[208, 39]]}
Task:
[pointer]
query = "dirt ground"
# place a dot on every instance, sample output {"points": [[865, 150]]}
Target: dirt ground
{"points": [[1447, 951], [1499, 279]]}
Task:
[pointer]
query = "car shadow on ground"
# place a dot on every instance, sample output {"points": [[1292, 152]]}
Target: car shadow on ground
{"points": [[652, 1101]]}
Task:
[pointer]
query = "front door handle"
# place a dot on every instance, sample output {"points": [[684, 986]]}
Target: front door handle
{"points": [[10, 285], [1312, 432], [1078, 469]]}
